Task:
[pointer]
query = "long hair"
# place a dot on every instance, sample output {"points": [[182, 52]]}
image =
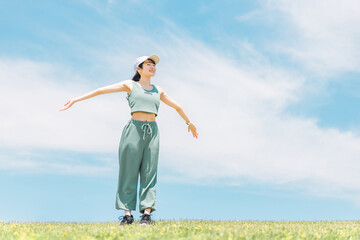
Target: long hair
{"points": [[137, 76]]}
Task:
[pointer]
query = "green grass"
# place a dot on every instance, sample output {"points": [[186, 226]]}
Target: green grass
{"points": [[184, 229]]}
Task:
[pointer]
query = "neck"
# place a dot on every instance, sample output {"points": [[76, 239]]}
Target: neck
{"points": [[145, 81]]}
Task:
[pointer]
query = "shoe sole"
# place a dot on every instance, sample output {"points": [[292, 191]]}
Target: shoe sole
{"points": [[126, 224]]}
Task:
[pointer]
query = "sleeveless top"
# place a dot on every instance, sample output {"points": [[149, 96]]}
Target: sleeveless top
{"points": [[141, 100]]}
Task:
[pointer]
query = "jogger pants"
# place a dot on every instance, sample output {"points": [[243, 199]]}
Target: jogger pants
{"points": [[138, 154]]}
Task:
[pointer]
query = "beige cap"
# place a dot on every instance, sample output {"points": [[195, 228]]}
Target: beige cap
{"points": [[139, 60]]}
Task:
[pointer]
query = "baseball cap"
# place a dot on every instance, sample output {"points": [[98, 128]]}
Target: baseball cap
{"points": [[139, 60]]}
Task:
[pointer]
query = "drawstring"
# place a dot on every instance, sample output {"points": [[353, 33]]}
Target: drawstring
{"points": [[149, 130]]}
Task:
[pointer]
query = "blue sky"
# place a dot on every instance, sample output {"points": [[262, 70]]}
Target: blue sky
{"points": [[272, 87]]}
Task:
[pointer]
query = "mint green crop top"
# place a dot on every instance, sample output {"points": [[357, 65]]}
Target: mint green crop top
{"points": [[141, 100]]}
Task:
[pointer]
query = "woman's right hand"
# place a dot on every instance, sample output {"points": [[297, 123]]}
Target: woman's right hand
{"points": [[67, 105]]}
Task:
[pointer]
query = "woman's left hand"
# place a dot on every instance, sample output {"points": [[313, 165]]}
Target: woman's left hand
{"points": [[193, 130]]}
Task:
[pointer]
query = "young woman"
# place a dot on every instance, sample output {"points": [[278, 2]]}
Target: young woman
{"points": [[139, 144]]}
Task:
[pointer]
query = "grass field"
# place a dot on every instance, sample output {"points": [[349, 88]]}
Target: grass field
{"points": [[184, 229]]}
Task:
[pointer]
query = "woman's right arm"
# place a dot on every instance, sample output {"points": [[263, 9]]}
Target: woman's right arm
{"points": [[117, 87]]}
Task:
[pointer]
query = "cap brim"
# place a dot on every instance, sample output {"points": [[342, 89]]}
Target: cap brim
{"points": [[155, 58]]}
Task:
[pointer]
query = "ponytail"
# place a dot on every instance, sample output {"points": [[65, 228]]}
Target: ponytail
{"points": [[136, 77]]}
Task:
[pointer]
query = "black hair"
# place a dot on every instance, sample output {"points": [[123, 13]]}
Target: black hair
{"points": [[137, 76]]}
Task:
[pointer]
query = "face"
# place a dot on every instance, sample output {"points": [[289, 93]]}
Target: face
{"points": [[148, 69]]}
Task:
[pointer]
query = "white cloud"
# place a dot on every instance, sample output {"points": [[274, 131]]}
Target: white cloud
{"points": [[13, 160], [244, 135], [249, 15], [32, 94], [322, 35]]}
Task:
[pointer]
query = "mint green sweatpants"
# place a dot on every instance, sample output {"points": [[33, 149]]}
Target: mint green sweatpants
{"points": [[138, 154]]}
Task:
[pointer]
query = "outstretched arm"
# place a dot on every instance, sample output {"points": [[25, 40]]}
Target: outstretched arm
{"points": [[172, 103], [118, 87]]}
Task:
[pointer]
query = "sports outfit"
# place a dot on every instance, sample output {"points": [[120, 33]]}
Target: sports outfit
{"points": [[139, 153]]}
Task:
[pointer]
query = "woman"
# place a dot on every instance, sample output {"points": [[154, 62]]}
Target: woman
{"points": [[139, 144]]}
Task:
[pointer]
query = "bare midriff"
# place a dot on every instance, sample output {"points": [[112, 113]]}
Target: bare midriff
{"points": [[143, 116]]}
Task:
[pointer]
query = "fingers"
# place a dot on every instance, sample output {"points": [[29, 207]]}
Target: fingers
{"points": [[64, 108], [194, 133], [66, 105]]}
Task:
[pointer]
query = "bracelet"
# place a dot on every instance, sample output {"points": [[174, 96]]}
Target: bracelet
{"points": [[187, 123]]}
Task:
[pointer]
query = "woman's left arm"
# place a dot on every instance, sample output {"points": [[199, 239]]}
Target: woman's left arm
{"points": [[172, 103]]}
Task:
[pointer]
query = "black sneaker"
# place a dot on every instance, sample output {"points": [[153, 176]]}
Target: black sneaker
{"points": [[127, 219], [145, 219]]}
